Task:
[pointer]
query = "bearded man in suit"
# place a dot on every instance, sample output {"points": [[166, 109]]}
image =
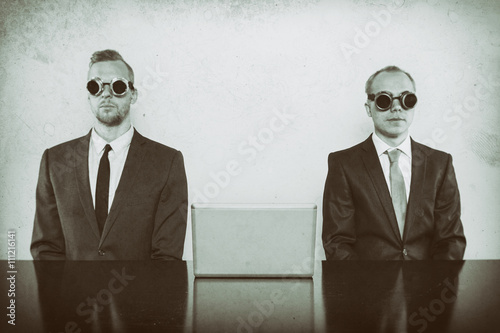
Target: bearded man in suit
{"points": [[111, 194], [389, 197]]}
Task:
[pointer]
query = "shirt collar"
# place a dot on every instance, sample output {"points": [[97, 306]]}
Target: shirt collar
{"points": [[117, 144], [381, 147]]}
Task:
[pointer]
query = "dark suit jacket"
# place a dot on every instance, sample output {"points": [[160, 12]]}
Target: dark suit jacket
{"points": [[148, 216], [358, 216]]}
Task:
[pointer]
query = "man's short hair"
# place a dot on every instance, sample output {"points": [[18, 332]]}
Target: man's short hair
{"points": [[368, 85], [110, 55]]}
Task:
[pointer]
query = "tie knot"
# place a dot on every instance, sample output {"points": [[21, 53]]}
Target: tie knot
{"points": [[107, 148], [394, 155]]}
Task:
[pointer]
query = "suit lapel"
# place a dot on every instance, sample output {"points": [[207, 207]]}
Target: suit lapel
{"points": [[81, 159], [374, 169], [132, 165], [418, 167]]}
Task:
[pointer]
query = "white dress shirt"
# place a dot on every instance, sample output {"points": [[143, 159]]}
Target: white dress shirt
{"points": [[117, 156], [404, 160]]}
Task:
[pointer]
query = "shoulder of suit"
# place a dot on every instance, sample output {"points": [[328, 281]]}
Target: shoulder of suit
{"points": [[348, 153], [70, 144], [155, 146], [431, 153]]}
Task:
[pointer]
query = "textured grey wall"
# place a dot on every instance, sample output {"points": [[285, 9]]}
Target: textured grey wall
{"points": [[215, 75]]}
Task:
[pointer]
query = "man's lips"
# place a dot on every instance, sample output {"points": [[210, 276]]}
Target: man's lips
{"points": [[396, 119], [105, 105]]}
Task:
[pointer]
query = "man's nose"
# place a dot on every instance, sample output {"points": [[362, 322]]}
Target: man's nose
{"points": [[106, 91], [396, 105]]}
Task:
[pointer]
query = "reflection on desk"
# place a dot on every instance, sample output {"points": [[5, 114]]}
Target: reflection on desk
{"points": [[108, 296], [343, 296], [248, 305], [391, 296]]}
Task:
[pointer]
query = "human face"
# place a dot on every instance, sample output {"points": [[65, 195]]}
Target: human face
{"points": [[111, 110], [393, 124]]}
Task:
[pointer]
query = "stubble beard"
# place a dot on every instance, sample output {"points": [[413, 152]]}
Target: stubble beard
{"points": [[112, 119]]}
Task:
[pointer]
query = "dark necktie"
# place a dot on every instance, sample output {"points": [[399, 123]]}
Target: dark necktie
{"points": [[398, 190], [102, 190]]}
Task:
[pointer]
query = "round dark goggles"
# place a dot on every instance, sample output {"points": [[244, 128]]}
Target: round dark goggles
{"points": [[383, 100], [119, 86]]}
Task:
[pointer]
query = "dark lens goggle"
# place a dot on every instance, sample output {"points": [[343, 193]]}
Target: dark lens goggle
{"points": [[119, 86], [383, 100]]}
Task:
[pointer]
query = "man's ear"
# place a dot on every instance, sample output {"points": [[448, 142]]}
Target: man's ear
{"points": [[135, 94], [368, 112]]}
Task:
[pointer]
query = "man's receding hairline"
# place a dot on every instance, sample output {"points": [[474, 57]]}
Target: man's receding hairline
{"points": [[111, 55], [98, 62], [391, 72], [387, 69]]}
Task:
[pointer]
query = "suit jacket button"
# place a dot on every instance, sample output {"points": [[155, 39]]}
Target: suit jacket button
{"points": [[405, 252], [101, 252]]}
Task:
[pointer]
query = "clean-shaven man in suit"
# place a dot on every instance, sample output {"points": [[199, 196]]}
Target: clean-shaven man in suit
{"points": [[112, 194], [389, 197]]}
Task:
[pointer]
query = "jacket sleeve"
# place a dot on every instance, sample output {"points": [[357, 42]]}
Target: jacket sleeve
{"points": [[171, 216], [339, 232], [47, 241], [449, 239]]}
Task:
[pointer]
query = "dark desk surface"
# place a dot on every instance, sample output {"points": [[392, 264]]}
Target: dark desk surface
{"points": [[341, 297]]}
